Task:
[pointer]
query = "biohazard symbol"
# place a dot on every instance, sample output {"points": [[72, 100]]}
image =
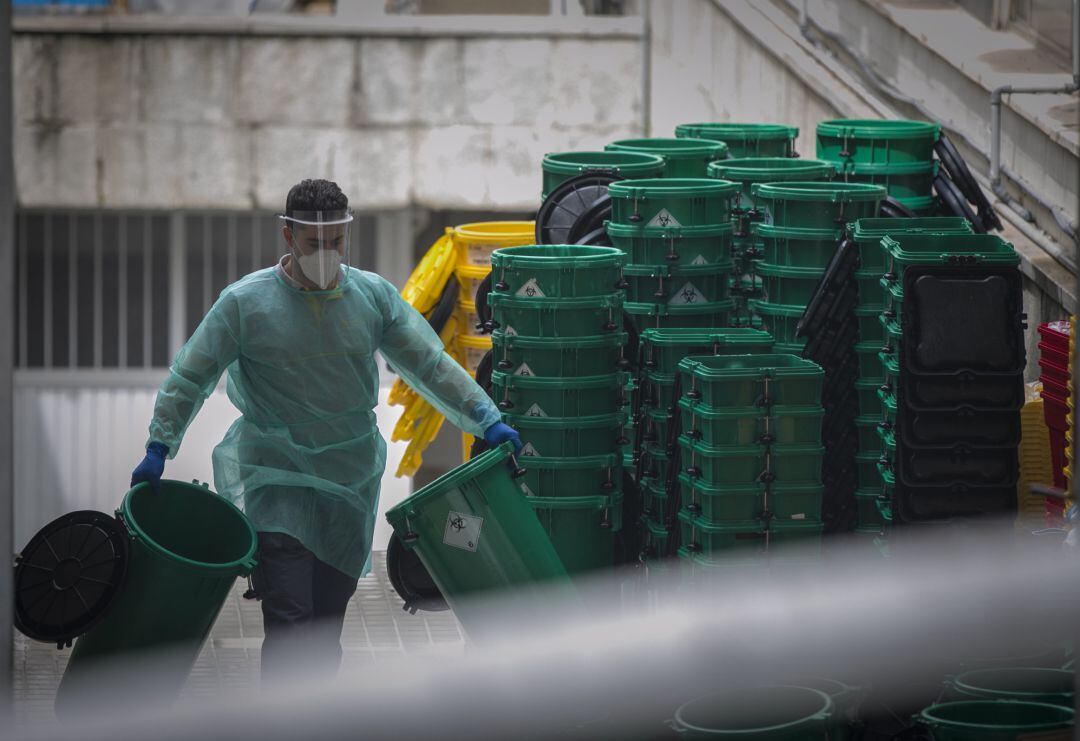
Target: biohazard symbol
{"points": [[664, 219], [688, 294], [458, 523], [531, 289]]}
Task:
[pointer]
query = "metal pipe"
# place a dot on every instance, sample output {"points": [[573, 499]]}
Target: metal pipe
{"points": [[7, 390]]}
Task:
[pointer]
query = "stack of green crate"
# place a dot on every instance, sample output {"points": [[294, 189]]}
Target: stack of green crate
{"points": [[867, 234], [751, 454], [745, 139], [801, 229], [898, 155], [677, 236], [747, 171], [660, 352], [558, 376]]}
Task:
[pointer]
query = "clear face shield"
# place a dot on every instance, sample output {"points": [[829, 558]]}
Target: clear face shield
{"points": [[319, 242]]}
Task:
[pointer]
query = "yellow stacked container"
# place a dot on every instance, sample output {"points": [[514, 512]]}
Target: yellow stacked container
{"points": [[1035, 464]]}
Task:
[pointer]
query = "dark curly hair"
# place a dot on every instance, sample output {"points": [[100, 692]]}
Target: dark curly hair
{"points": [[315, 195]]}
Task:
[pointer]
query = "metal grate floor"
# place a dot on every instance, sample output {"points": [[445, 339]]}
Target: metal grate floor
{"points": [[375, 628]]}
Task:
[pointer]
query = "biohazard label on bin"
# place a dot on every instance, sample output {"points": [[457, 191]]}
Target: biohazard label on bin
{"points": [[688, 294], [664, 218], [510, 332], [531, 289], [699, 260], [524, 370], [535, 411], [462, 531], [529, 450]]}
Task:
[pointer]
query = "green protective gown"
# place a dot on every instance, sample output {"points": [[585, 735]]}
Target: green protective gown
{"points": [[305, 457]]}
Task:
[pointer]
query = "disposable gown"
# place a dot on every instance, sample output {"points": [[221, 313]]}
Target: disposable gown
{"points": [[305, 457]]}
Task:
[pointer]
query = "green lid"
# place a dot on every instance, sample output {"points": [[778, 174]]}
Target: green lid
{"points": [[741, 451], [791, 232], [659, 187], [917, 203], [754, 366], [557, 255], [770, 169], [878, 128], [780, 271], [689, 337], [876, 228], [829, 192], [614, 162], [718, 231], [766, 309], [713, 414], [590, 342], [720, 489], [672, 147], [737, 132]]}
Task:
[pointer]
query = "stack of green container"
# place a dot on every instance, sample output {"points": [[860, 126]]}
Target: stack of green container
{"points": [[660, 352], [683, 158], [867, 234], [745, 139], [896, 154], [561, 166], [751, 454], [558, 378], [747, 171], [677, 235], [801, 228]]}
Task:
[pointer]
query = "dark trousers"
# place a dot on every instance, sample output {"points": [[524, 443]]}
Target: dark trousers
{"points": [[303, 606]]}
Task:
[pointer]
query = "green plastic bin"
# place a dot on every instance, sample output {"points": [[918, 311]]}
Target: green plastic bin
{"points": [[735, 465], [920, 249], [657, 426], [867, 391], [559, 167], [683, 157], [795, 502], [872, 141], [662, 349], [1026, 684], [557, 318], [817, 205], [868, 508], [476, 534], [774, 713], [871, 296], [867, 234], [869, 363], [749, 170], [187, 546], [552, 396], [745, 139], [657, 389], [921, 206], [698, 245], [655, 540], [801, 534], [669, 203], [719, 539], [599, 475], [722, 504], [582, 529], [780, 320], [904, 181], [868, 319], [663, 316], [993, 720], [866, 468], [790, 286], [556, 271], [751, 380], [569, 437], [866, 427], [679, 285], [596, 355], [797, 248], [783, 425], [846, 700]]}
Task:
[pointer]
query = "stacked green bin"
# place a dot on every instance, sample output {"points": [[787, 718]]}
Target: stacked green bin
{"points": [[801, 228], [751, 453], [898, 155], [677, 235], [866, 235], [683, 158], [747, 171], [558, 377], [660, 352], [745, 139], [561, 166]]}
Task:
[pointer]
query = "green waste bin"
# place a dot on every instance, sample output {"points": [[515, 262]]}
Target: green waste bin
{"points": [[551, 396], [556, 317], [568, 437], [751, 380], [582, 529], [671, 203], [662, 349], [683, 157], [749, 170], [663, 316], [796, 248], [872, 141], [559, 167], [556, 271], [1026, 684], [773, 713], [679, 285], [149, 582], [993, 720], [867, 234], [476, 535], [675, 246], [817, 205], [596, 355], [904, 181], [745, 139], [571, 477]]}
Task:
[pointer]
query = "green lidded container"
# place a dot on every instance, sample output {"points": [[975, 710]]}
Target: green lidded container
{"points": [[556, 317], [718, 539], [476, 534], [750, 170], [867, 391], [795, 502], [868, 507], [870, 329], [668, 203], [780, 320], [745, 464], [598, 475], [683, 157], [186, 548], [769, 713], [866, 429], [595, 355], [921, 249], [559, 167], [568, 437], [662, 316], [581, 529], [745, 139], [867, 234], [752, 380], [867, 354], [679, 285], [784, 285], [874, 141], [796, 248], [817, 205], [750, 425], [722, 504], [904, 181], [993, 720], [662, 349], [553, 396], [680, 246], [556, 271], [1026, 684]]}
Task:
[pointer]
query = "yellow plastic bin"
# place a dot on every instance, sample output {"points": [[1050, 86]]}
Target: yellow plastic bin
{"points": [[475, 242]]}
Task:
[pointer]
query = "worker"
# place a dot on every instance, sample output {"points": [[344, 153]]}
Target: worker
{"points": [[305, 459]]}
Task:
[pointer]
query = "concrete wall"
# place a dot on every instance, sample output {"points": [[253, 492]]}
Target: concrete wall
{"points": [[231, 121]]}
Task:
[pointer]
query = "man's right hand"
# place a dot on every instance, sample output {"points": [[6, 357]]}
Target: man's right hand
{"points": [[151, 467]]}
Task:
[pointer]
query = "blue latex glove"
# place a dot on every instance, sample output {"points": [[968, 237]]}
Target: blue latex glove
{"points": [[151, 467], [499, 433]]}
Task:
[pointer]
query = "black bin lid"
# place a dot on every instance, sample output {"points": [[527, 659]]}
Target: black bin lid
{"points": [[68, 575], [411, 580]]}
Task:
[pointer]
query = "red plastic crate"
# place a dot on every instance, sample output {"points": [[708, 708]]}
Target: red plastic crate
{"points": [[1056, 334], [1056, 387], [1050, 369], [1055, 409], [1059, 357]]}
